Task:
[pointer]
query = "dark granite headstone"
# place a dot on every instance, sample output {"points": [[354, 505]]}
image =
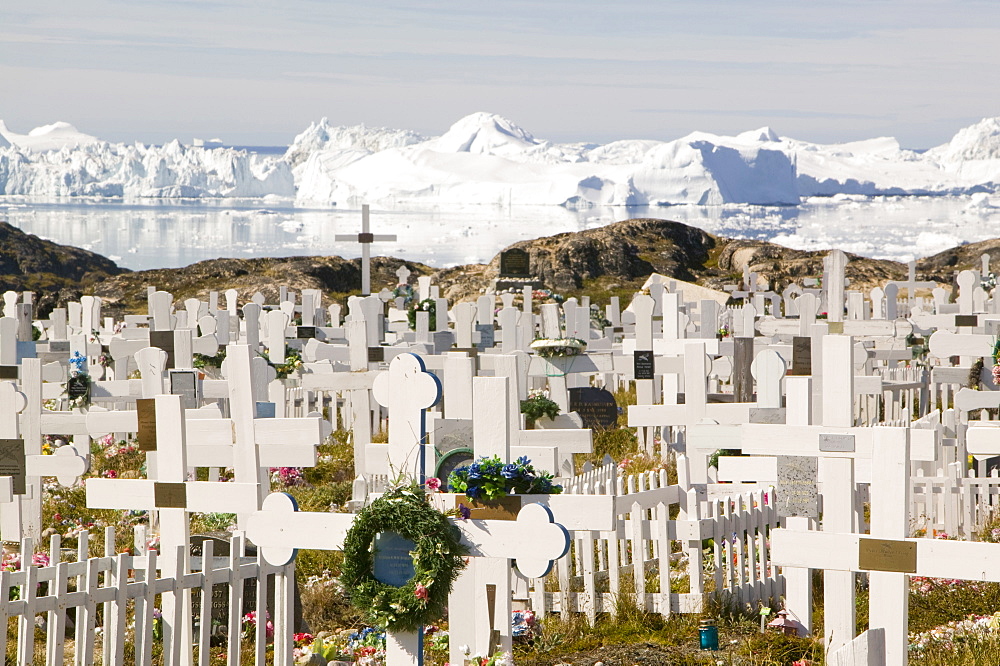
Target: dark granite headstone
{"points": [[596, 406], [643, 364], [164, 340], [515, 263]]}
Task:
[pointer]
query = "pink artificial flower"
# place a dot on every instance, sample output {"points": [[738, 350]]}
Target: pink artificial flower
{"points": [[110, 474], [420, 592], [433, 484]]}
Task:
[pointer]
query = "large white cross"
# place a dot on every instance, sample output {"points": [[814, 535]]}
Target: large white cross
{"points": [[366, 238]]}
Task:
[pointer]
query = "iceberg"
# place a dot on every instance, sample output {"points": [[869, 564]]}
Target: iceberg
{"points": [[486, 159]]}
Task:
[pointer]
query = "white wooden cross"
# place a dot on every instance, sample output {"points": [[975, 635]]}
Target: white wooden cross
{"points": [[911, 285], [366, 238], [888, 554], [534, 540]]}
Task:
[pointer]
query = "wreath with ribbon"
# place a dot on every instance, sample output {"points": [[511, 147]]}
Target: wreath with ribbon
{"points": [[438, 559]]}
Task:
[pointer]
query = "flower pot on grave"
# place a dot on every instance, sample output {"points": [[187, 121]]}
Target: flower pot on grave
{"points": [[504, 508]]}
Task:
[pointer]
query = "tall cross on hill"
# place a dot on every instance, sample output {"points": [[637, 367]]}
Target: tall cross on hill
{"points": [[366, 238]]}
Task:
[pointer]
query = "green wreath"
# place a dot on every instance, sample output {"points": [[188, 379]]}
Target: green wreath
{"points": [[438, 559]]}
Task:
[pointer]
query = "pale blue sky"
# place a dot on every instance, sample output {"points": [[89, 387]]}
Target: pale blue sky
{"points": [[258, 72]]}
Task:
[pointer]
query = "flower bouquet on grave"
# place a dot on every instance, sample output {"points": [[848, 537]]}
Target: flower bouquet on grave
{"points": [[493, 488], [536, 406], [293, 361], [428, 305], [558, 347], [79, 384]]}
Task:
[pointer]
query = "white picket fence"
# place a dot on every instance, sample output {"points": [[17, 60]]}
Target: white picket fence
{"points": [[659, 562], [112, 600]]}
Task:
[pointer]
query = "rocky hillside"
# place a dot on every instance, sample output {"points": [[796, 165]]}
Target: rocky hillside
{"points": [[611, 260], [616, 260], [54, 272]]}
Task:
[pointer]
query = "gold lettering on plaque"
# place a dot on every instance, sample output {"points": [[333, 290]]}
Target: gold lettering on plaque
{"points": [[887, 555]]}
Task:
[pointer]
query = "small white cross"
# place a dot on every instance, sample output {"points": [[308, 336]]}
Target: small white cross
{"points": [[366, 238]]}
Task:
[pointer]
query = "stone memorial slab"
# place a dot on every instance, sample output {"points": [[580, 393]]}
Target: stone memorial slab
{"points": [[60, 346], [596, 406], [643, 364], [487, 335], [393, 563], [12, 463], [185, 384], [515, 263], [797, 493]]}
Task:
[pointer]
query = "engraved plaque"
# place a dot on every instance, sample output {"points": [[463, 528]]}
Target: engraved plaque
{"points": [[618, 329], [835, 327], [366, 237], [146, 408], [643, 364], [966, 320], [596, 406], [887, 555], [59, 346], [838, 443], [185, 384], [487, 335], [8, 372], [801, 356], [305, 332], [393, 563], [169, 495], [12, 463], [376, 354], [78, 387]]}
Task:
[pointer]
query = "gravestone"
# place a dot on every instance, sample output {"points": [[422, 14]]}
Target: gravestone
{"points": [[596, 406], [164, 340], [185, 384], [451, 461], [515, 263], [12, 463]]}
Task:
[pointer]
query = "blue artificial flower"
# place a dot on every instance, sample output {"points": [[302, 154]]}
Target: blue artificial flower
{"points": [[474, 492], [523, 461], [511, 471]]}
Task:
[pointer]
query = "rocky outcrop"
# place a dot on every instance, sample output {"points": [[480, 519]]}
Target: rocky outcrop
{"points": [[55, 273]]}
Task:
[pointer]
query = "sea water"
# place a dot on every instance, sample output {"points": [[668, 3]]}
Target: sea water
{"points": [[160, 233]]}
